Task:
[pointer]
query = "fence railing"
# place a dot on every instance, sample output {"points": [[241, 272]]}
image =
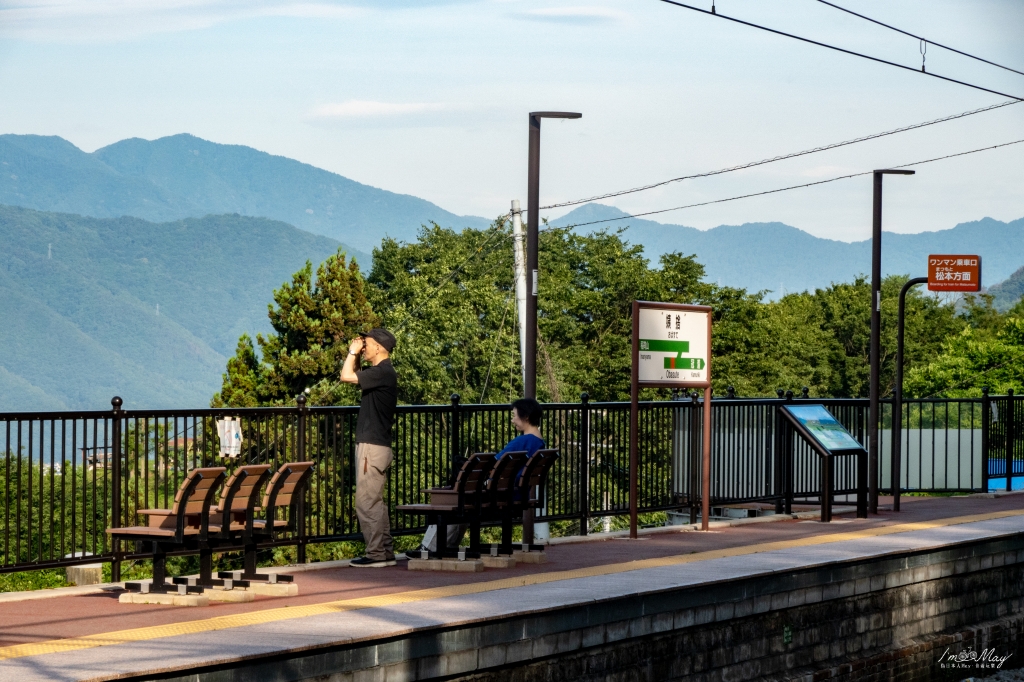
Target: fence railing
{"points": [[67, 476]]}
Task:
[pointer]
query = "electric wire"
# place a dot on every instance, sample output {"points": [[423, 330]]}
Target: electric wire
{"points": [[783, 157], [921, 38], [791, 187], [676, 3]]}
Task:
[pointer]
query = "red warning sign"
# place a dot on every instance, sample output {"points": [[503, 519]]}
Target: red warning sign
{"points": [[954, 273]]}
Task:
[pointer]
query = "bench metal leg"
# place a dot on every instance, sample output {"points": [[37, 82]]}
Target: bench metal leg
{"points": [[160, 584], [248, 573]]}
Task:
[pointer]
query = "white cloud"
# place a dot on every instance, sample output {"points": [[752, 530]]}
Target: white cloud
{"points": [[112, 20], [355, 108], [575, 15]]}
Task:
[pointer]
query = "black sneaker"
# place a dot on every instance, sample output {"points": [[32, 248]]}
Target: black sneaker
{"points": [[367, 562]]}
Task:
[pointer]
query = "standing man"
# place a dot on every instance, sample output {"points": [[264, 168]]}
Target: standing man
{"points": [[379, 385]]}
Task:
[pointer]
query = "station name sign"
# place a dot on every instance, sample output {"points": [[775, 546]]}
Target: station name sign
{"points": [[957, 272], [673, 344]]}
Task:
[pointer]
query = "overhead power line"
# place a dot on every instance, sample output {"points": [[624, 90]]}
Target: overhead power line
{"points": [[838, 49], [783, 157], [792, 187], [921, 38]]}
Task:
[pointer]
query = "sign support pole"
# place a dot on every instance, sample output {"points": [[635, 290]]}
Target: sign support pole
{"points": [[705, 470], [634, 425], [897, 403]]}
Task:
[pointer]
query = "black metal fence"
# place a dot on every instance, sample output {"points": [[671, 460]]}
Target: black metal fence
{"points": [[70, 475]]}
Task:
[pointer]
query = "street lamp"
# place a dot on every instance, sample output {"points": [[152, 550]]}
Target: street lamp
{"points": [[876, 335], [532, 232]]}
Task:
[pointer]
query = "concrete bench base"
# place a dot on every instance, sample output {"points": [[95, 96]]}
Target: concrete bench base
{"points": [[166, 599], [498, 561], [530, 557], [452, 565], [236, 595], [274, 589]]}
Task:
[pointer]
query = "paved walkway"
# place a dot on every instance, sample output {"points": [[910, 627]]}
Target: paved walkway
{"points": [[95, 637]]}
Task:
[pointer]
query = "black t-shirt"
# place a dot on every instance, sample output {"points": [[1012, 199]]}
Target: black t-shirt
{"points": [[379, 385]]}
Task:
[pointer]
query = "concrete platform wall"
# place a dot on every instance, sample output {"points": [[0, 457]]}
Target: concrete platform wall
{"points": [[889, 618]]}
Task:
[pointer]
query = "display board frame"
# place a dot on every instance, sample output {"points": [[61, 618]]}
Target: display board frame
{"points": [[634, 411]]}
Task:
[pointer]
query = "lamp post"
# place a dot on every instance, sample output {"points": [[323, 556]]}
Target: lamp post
{"points": [[876, 335], [532, 237]]}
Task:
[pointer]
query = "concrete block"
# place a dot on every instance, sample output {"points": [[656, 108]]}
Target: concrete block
{"points": [[89, 574], [450, 565], [403, 671], [274, 590], [498, 561], [165, 599], [530, 557], [463, 661], [236, 595]]}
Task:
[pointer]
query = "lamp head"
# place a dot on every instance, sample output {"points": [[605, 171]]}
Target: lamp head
{"points": [[894, 171]]}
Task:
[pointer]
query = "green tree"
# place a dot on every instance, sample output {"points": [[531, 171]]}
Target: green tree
{"points": [[313, 321], [974, 358]]}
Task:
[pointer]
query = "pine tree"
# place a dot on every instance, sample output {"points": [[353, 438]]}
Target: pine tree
{"points": [[313, 322]]}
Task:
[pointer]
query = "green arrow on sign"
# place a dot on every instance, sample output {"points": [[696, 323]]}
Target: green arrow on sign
{"points": [[676, 347], [684, 363]]}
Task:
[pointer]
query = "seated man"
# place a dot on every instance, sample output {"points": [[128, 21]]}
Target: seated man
{"points": [[526, 414]]}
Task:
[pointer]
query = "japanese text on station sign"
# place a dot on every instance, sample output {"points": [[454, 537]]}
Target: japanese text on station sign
{"points": [[954, 272], [673, 345]]}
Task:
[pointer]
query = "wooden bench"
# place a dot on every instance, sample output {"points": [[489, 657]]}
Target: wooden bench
{"points": [[183, 527], [462, 503], [517, 485], [229, 521], [287, 488]]}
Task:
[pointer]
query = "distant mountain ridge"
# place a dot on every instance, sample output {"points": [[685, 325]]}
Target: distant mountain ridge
{"points": [[1009, 291], [781, 258], [183, 176], [93, 308]]}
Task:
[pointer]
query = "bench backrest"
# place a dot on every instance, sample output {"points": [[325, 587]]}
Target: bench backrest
{"points": [[241, 493], [471, 483], [534, 477], [287, 488], [196, 492], [502, 484]]}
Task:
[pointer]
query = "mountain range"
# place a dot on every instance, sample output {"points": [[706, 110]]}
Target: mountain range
{"points": [[183, 176], [779, 258], [133, 270]]}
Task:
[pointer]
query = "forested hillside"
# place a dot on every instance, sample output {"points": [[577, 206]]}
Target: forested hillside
{"points": [[91, 308], [783, 259]]}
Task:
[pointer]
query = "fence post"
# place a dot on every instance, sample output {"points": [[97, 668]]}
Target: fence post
{"points": [[584, 441], [1009, 439], [300, 446], [986, 437], [115, 486]]}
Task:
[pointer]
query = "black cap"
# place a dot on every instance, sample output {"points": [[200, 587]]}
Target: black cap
{"points": [[382, 336]]}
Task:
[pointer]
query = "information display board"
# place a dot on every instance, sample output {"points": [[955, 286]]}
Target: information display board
{"points": [[823, 427], [673, 345]]}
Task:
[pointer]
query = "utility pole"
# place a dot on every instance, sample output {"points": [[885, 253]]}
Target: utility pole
{"points": [[532, 240], [876, 334], [519, 246]]}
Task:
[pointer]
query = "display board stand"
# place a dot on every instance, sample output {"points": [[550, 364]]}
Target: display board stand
{"points": [[671, 349]]}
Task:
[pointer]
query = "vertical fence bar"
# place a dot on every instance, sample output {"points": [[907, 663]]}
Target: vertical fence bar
{"points": [[584, 449], [115, 485]]}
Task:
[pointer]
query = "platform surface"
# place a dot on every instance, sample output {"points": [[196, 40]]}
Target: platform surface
{"points": [[94, 637]]}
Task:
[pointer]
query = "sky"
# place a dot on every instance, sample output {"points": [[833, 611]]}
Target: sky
{"points": [[431, 98]]}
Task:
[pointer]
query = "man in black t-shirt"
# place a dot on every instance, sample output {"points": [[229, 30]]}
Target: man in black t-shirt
{"points": [[379, 385]]}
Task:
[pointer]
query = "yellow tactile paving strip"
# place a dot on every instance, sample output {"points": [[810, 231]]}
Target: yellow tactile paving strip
{"points": [[288, 613]]}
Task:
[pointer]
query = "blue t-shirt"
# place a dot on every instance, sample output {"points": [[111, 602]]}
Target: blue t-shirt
{"points": [[525, 443]]}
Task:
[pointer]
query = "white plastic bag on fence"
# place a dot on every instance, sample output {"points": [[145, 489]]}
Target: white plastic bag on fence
{"points": [[230, 431]]}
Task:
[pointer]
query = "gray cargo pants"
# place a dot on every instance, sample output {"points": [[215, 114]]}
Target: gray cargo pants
{"points": [[372, 462]]}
